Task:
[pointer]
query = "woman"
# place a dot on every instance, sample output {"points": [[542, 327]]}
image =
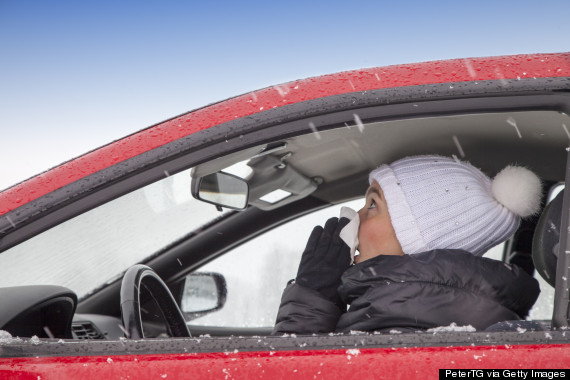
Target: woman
{"points": [[421, 234]]}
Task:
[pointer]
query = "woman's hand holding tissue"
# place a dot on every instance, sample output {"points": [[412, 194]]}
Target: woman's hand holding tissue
{"points": [[325, 259]]}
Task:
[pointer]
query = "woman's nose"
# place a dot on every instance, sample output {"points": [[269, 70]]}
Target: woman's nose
{"points": [[361, 213]]}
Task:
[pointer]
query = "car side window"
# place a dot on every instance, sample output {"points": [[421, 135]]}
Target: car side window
{"points": [[257, 271]]}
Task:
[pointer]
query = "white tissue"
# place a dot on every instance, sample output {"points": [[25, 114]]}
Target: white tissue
{"points": [[349, 234]]}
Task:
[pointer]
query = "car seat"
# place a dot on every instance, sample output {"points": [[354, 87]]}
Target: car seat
{"points": [[545, 243], [546, 240]]}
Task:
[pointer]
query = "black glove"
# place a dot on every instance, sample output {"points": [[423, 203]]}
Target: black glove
{"points": [[325, 259]]}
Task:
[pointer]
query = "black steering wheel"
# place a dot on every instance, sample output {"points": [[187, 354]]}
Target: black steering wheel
{"points": [[141, 275]]}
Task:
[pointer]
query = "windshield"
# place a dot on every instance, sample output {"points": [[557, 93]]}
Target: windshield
{"points": [[98, 246]]}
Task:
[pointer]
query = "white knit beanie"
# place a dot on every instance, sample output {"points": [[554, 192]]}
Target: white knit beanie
{"points": [[438, 202]]}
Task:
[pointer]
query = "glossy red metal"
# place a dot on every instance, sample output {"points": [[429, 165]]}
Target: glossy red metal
{"points": [[458, 70], [381, 363]]}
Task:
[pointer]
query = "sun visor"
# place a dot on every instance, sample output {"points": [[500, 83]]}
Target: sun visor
{"points": [[274, 183], [221, 163]]}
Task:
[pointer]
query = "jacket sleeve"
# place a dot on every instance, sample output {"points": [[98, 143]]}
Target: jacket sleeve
{"points": [[305, 311]]}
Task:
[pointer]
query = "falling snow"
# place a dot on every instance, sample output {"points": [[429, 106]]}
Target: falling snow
{"points": [[458, 145], [282, 90], [10, 220], [358, 122], [470, 69], [513, 122], [566, 130], [315, 131], [124, 330]]}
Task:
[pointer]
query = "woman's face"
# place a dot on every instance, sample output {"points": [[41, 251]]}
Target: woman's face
{"points": [[376, 234]]}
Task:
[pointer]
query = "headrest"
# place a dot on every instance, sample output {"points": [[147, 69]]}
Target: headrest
{"points": [[545, 241]]}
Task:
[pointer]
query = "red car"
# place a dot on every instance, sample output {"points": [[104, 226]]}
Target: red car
{"points": [[77, 243]]}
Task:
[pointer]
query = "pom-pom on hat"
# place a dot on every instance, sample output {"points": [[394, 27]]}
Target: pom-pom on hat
{"points": [[439, 202]]}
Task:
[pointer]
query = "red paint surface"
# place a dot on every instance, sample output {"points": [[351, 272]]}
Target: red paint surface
{"points": [[389, 363], [459, 70]]}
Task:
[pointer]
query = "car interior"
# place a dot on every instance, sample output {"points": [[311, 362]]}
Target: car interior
{"points": [[267, 185]]}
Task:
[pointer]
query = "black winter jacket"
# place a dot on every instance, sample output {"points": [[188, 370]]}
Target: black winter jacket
{"points": [[413, 292]]}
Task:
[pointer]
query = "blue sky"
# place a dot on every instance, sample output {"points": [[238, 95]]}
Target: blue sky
{"points": [[75, 75]]}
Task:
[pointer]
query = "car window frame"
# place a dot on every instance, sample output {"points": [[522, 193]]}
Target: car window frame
{"points": [[519, 99]]}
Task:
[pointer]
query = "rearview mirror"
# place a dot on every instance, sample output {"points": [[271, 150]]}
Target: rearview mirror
{"points": [[221, 189], [203, 293]]}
